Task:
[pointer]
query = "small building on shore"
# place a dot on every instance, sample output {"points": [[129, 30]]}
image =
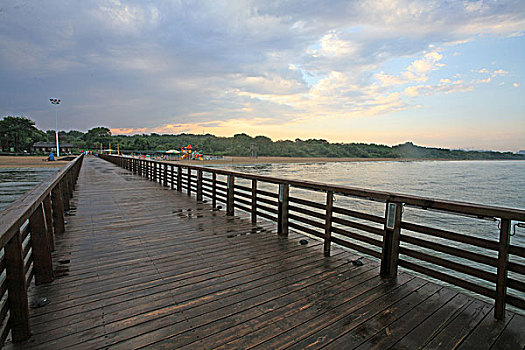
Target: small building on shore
{"points": [[47, 147]]}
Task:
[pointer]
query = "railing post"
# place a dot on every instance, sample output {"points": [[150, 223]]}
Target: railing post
{"points": [[17, 289], [328, 222], [179, 179], [65, 193], [254, 201], [391, 235], [189, 182], [503, 260], [58, 209], [214, 190], [172, 176], [43, 263], [230, 200], [282, 217], [165, 181], [199, 185], [155, 172], [71, 182], [49, 221]]}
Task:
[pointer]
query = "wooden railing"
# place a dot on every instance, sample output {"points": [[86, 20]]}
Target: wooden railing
{"points": [[27, 230], [494, 268]]}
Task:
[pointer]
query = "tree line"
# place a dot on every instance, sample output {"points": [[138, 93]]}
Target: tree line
{"points": [[19, 133]]}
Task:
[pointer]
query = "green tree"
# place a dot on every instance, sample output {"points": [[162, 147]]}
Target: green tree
{"points": [[97, 136], [50, 135], [20, 132], [140, 143]]}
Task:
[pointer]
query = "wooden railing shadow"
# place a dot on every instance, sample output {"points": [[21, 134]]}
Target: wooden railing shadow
{"points": [[27, 237]]}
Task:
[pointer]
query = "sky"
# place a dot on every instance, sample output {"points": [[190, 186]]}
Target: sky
{"points": [[438, 73]]}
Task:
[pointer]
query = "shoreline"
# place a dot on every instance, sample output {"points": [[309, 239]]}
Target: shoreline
{"points": [[273, 160], [42, 162], [281, 160]]}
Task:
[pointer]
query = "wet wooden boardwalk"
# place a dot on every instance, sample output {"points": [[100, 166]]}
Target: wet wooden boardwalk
{"points": [[142, 266]]}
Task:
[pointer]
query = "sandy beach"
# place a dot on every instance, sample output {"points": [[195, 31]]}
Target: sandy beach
{"points": [[264, 160], [29, 162]]}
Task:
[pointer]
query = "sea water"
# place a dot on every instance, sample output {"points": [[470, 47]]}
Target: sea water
{"points": [[16, 181]]}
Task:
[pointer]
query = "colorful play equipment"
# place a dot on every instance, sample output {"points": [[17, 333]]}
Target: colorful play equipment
{"points": [[187, 153]]}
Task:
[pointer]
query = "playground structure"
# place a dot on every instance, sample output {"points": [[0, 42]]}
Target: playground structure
{"points": [[187, 153]]}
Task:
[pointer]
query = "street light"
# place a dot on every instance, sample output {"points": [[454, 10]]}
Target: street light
{"points": [[56, 101]]}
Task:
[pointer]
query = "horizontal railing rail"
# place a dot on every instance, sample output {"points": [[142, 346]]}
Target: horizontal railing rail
{"points": [[27, 236], [494, 268]]}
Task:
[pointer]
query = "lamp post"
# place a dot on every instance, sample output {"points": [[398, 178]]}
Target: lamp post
{"points": [[56, 102]]}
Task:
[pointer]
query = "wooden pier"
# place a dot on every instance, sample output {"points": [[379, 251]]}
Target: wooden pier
{"points": [[139, 264]]}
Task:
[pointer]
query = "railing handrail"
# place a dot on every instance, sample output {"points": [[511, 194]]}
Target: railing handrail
{"points": [[475, 209], [27, 248], [17, 212], [393, 247]]}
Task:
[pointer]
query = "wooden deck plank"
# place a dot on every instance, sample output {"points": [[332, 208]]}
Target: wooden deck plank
{"points": [[487, 332], [513, 336], [116, 313], [141, 265], [194, 303], [371, 317], [458, 329], [226, 330], [426, 330], [394, 323], [288, 331]]}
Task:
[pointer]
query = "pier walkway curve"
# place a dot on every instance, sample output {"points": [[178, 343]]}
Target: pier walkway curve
{"points": [[144, 266]]}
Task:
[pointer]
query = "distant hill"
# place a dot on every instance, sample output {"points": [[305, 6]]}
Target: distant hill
{"points": [[19, 133], [245, 145]]}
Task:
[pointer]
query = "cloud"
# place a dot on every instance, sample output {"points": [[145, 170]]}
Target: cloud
{"points": [[125, 18], [499, 72], [446, 87], [164, 65], [489, 75], [332, 46], [417, 71]]}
